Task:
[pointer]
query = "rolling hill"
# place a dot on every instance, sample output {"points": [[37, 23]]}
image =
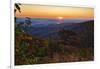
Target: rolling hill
{"points": [[46, 31]]}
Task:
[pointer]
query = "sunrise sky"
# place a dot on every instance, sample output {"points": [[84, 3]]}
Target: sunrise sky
{"points": [[42, 11]]}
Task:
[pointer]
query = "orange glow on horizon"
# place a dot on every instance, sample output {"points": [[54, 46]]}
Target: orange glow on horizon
{"points": [[60, 18], [54, 12]]}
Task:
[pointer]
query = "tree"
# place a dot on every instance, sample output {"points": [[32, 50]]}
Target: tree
{"points": [[28, 22], [17, 8]]}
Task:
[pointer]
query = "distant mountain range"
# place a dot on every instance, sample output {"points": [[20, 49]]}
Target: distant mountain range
{"points": [[38, 22], [52, 30]]}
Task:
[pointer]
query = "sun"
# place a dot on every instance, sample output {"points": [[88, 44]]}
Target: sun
{"points": [[60, 18]]}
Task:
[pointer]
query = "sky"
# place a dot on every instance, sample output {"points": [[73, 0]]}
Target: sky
{"points": [[45, 11]]}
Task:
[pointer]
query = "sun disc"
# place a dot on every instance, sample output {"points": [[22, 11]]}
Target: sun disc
{"points": [[60, 17]]}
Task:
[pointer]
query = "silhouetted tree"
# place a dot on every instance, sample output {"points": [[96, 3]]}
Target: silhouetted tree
{"points": [[28, 21], [17, 8]]}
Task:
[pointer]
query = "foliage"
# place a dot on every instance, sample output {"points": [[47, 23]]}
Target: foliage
{"points": [[17, 7], [28, 22], [30, 49]]}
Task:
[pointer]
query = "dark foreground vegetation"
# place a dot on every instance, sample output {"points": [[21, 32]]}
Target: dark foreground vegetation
{"points": [[71, 46]]}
